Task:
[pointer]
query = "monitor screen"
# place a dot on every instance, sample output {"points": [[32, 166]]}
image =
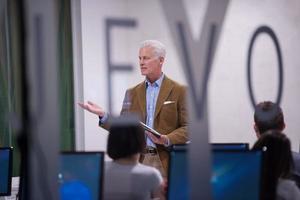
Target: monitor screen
{"points": [[230, 146], [5, 171], [178, 175], [81, 175], [235, 175]]}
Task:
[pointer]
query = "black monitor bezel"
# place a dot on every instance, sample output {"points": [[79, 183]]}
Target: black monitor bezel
{"points": [[10, 166], [186, 146], [231, 144], [101, 185]]}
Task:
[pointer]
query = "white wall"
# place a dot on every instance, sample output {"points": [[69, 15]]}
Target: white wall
{"points": [[230, 109]]}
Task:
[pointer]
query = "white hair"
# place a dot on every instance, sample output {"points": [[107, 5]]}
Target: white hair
{"points": [[159, 48]]}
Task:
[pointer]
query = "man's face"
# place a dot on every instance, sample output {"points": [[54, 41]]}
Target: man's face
{"points": [[150, 64]]}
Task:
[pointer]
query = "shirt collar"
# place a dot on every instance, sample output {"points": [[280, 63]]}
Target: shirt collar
{"points": [[157, 83]]}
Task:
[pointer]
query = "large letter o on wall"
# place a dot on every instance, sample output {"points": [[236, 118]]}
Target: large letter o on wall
{"points": [[270, 32]]}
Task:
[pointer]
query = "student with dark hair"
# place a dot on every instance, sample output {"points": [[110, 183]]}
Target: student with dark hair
{"points": [[268, 116], [118, 144], [277, 166], [125, 177]]}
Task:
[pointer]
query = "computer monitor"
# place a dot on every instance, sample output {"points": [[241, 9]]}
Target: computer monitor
{"points": [[235, 175], [81, 175], [230, 146], [5, 171]]}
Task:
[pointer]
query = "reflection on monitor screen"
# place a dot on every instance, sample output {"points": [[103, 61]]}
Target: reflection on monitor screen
{"points": [[5, 171], [236, 175], [81, 175]]}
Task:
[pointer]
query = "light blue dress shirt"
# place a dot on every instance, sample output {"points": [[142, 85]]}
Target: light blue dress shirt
{"points": [[152, 91]]}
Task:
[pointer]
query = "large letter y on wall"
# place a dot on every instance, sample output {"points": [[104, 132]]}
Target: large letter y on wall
{"points": [[196, 57]]}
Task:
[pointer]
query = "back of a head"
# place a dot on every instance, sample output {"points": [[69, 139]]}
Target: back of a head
{"points": [[277, 150], [268, 116], [126, 138], [277, 160]]}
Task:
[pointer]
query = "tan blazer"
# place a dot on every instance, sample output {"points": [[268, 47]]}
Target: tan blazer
{"points": [[170, 116]]}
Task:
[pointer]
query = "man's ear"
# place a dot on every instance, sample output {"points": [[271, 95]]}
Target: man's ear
{"points": [[161, 60]]}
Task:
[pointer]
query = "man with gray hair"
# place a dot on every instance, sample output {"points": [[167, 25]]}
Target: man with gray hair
{"points": [[159, 102]]}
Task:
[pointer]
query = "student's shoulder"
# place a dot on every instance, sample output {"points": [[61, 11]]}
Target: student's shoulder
{"points": [[287, 189], [147, 169], [296, 156], [150, 172], [296, 159]]}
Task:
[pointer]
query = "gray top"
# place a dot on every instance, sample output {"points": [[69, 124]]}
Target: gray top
{"points": [[132, 182], [287, 190]]}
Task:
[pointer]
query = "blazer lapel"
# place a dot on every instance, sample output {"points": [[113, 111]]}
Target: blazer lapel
{"points": [[142, 99], [164, 92]]}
